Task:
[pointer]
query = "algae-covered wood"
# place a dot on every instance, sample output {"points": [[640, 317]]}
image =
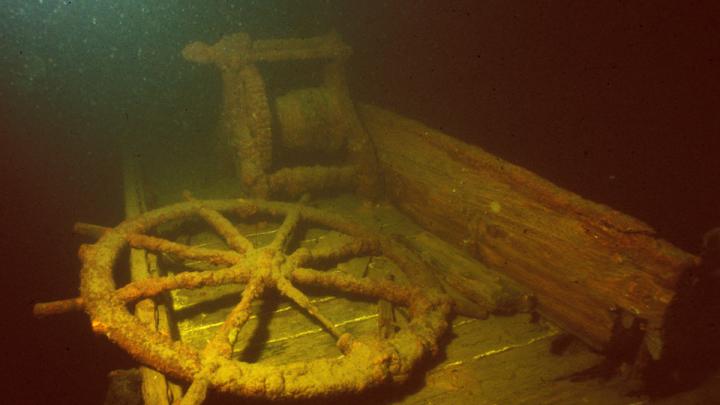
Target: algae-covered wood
{"points": [[583, 260]]}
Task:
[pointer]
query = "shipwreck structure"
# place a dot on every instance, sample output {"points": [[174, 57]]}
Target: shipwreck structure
{"points": [[318, 118], [436, 232]]}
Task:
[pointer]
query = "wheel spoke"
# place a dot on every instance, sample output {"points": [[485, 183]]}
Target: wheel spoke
{"points": [[223, 226], [211, 256], [58, 307], [283, 234], [153, 286], [366, 287], [292, 218], [287, 289], [354, 248], [223, 341]]}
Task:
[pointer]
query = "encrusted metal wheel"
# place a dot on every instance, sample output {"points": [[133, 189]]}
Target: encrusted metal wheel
{"points": [[365, 361]]}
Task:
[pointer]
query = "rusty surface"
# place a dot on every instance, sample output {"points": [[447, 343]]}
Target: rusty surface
{"points": [[365, 361], [245, 122]]}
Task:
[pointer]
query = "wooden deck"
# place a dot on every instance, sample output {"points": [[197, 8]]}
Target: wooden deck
{"points": [[500, 360]]}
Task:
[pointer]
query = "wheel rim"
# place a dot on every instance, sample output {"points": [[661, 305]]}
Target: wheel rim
{"points": [[365, 361]]}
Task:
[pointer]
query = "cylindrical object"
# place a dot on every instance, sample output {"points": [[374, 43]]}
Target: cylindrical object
{"points": [[310, 120]]}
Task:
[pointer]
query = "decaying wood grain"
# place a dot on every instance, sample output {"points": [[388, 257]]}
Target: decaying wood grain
{"points": [[580, 258], [496, 292]]}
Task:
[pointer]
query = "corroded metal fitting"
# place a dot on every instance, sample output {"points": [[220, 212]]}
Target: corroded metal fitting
{"points": [[366, 361]]}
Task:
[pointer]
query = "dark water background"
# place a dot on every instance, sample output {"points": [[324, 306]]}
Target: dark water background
{"points": [[617, 101]]}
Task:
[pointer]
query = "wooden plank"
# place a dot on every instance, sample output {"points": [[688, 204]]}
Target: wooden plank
{"points": [[460, 274], [156, 389], [580, 258], [521, 373], [279, 321]]}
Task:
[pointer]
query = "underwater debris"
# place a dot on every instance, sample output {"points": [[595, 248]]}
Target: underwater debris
{"points": [[245, 123], [366, 361], [578, 258]]}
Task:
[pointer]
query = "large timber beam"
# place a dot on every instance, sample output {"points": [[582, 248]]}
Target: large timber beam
{"points": [[585, 262]]}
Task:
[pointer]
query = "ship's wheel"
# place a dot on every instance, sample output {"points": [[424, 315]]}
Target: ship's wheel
{"points": [[362, 361]]}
